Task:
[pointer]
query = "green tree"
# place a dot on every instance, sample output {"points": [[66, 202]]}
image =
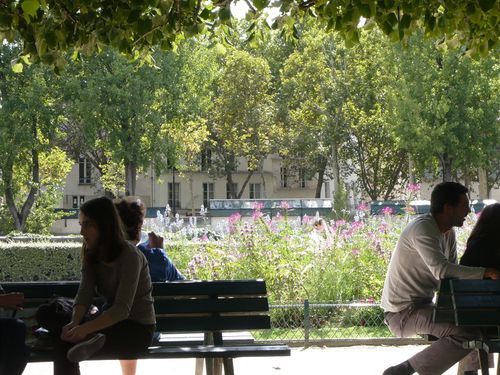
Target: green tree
{"points": [[111, 117], [313, 93], [450, 105], [242, 121], [29, 115], [373, 148], [49, 27]]}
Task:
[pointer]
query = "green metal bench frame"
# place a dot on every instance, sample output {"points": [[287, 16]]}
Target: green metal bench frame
{"points": [[208, 307], [472, 303]]}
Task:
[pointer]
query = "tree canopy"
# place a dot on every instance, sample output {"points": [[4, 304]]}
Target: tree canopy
{"points": [[48, 27]]}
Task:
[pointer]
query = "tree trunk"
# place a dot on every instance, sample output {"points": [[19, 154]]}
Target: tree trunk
{"points": [[264, 193], [335, 169], [321, 178], [20, 217], [130, 177], [446, 164], [411, 175], [245, 183], [191, 193], [483, 184]]}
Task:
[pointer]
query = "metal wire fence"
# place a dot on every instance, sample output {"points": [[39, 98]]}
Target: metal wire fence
{"points": [[328, 323]]}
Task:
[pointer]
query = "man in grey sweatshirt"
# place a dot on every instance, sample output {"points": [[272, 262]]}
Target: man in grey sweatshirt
{"points": [[425, 253]]}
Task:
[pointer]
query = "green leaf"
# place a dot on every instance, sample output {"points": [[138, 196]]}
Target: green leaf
{"points": [[144, 25], [365, 10], [17, 67], [260, 4], [5, 20], [30, 7], [486, 5], [405, 21], [225, 14]]}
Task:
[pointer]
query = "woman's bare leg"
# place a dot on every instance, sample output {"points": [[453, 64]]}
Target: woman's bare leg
{"points": [[128, 366]]}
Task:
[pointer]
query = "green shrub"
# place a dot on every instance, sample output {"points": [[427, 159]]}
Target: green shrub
{"points": [[39, 260]]}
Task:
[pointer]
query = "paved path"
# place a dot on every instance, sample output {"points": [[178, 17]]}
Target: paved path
{"points": [[355, 360]]}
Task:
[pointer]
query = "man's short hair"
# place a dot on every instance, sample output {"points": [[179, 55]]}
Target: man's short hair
{"points": [[446, 193]]}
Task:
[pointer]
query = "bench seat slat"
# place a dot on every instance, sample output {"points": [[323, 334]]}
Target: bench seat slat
{"points": [[197, 351], [204, 305]]}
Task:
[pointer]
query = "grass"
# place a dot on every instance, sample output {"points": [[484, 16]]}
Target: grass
{"points": [[331, 332]]}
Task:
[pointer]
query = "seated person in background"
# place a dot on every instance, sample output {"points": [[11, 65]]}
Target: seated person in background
{"points": [[321, 230], [424, 254], [161, 268], [13, 351], [483, 245], [132, 211]]}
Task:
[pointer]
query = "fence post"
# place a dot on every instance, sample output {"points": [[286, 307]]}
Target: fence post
{"points": [[307, 322]]}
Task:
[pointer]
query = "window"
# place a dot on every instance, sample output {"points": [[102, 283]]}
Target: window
{"points": [[302, 178], [284, 177], [85, 171], [174, 194], [77, 201], [208, 193], [206, 159], [255, 191], [229, 195]]}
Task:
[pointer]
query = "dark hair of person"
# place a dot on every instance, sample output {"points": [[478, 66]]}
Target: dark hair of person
{"points": [[111, 236], [446, 193], [487, 226], [132, 212]]}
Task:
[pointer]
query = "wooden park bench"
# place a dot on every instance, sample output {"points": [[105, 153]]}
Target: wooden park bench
{"points": [[473, 303], [197, 319]]}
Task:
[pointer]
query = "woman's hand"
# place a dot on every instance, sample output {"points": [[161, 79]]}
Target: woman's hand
{"points": [[73, 332], [12, 301]]}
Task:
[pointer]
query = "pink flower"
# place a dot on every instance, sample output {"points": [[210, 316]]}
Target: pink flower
{"points": [[256, 214], [284, 205], [363, 207], [233, 218], [387, 211], [355, 252], [340, 223], [258, 206], [414, 188], [204, 238]]}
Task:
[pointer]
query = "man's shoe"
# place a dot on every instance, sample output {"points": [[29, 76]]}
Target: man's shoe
{"points": [[85, 349], [401, 369]]}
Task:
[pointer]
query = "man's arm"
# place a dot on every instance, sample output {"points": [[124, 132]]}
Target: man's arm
{"points": [[12, 301]]}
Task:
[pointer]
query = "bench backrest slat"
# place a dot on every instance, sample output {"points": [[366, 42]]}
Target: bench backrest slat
{"points": [[211, 305], [211, 323], [43, 289], [467, 286], [215, 287], [473, 301]]}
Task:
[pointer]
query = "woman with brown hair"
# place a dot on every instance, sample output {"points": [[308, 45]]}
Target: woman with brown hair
{"points": [[119, 273], [483, 245]]}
